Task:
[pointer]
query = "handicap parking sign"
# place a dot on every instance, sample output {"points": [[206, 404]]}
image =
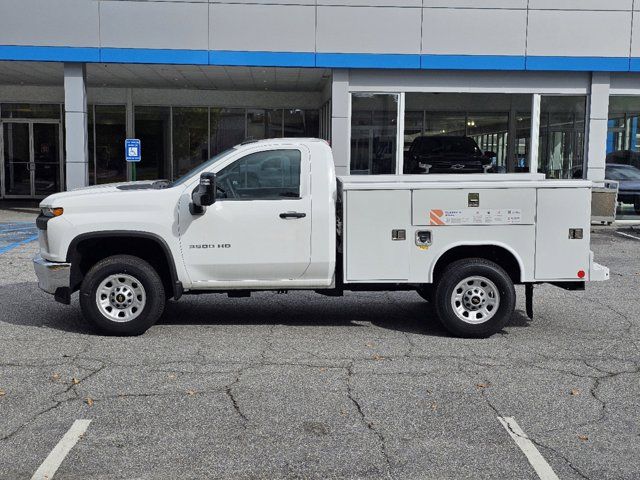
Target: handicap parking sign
{"points": [[132, 150]]}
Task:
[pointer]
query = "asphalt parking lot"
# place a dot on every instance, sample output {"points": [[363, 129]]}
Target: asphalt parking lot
{"points": [[303, 386]]}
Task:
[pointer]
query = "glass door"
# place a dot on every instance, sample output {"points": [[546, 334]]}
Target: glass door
{"points": [[17, 159], [46, 159], [31, 158]]}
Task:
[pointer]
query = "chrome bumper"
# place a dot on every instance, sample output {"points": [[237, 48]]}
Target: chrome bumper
{"points": [[51, 275]]}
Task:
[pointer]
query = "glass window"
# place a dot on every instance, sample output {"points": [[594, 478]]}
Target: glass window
{"points": [[562, 127], [190, 138], [270, 175], [106, 151], [153, 128], [227, 128], [256, 124], [301, 123], [623, 153], [274, 124], [466, 133], [30, 110], [374, 128]]}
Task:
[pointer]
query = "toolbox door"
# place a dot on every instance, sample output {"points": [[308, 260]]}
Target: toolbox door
{"points": [[377, 229]]}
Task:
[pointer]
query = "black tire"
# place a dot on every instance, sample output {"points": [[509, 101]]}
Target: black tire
{"points": [[131, 267], [636, 205], [464, 269]]}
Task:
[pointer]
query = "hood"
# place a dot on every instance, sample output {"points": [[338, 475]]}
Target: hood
{"points": [[626, 185], [109, 188]]}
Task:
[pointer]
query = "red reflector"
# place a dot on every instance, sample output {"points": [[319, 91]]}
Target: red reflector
{"points": [[581, 274]]}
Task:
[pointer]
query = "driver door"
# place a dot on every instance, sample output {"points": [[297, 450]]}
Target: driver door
{"points": [[259, 228]]}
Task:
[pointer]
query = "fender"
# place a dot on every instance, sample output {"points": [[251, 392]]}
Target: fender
{"points": [[72, 254], [479, 244]]}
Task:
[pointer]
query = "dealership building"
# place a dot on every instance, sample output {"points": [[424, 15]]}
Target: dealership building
{"points": [[542, 85]]}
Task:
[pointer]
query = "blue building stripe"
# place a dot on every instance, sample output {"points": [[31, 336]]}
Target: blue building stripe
{"points": [[367, 60], [579, 64], [49, 54], [310, 59], [262, 59], [472, 62], [149, 55]]}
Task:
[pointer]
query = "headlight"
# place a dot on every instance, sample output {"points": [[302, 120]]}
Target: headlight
{"points": [[52, 211]]}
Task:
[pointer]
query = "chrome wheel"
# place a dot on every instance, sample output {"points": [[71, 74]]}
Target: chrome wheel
{"points": [[475, 300], [120, 297]]}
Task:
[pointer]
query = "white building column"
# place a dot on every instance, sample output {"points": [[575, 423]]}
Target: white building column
{"points": [[597, 128], [76, 125], [340, 127]]}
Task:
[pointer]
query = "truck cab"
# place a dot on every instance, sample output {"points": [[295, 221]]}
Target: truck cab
{"points": [[271, 215]]}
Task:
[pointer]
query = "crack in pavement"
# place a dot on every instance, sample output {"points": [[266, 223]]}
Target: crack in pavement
{"points": [[368, 424]]}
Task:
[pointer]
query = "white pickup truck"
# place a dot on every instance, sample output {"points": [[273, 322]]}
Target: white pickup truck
{"points": [[271, 215]]}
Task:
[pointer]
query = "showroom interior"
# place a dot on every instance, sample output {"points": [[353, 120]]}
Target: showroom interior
{"points": [[185, 114]]}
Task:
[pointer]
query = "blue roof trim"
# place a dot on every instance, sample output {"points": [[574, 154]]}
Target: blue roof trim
{"points": [[310, 59], [579, 64], [149, 55], [262, 59], [367, 60], [472, 62], [49, 54]]}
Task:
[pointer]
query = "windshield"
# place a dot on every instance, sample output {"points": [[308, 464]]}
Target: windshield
{"points": [[622, 172], [445, 145], [202, 167]]}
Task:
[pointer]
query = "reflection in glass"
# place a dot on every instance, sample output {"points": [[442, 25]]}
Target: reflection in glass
{"points": [[256, 124], [301, 123], [16, 159], [30, 110], [373, 133], [107, 162], [487, 122], [46, 158], [152, 127], [562, 134], [227, 128], [623, 153], [190, 138]]}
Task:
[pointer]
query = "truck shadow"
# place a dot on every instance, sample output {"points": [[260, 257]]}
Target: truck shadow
{"points": [[404, 312]]}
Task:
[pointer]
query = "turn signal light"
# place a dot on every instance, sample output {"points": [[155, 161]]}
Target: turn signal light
{"points": [[581, 274], [52, 212]]}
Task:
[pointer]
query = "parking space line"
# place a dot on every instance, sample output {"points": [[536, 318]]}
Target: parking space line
{"points": [[11, 246], [628, 236], [537, 461], [61, 450]]}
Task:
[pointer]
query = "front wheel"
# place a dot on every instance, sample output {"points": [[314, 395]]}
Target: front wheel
{"points": [[474, 298], [122, 295]]}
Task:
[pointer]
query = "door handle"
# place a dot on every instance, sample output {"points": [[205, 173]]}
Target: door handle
{"points": [[286, 215]]}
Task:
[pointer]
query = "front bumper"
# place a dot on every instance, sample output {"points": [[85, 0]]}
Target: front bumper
{"points": [[53, 277]]}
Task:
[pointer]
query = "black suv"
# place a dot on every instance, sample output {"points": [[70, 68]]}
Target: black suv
{"points": [[442, 154]]}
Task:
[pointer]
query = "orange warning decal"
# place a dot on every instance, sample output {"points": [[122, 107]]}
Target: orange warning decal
{"points": [[436, 217]]}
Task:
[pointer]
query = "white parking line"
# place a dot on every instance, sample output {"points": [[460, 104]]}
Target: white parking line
{"points": [[628, 236], [537, 461], [61, 450]]}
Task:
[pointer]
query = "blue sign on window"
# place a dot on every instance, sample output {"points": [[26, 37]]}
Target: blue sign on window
{"points": [[132, 150]]}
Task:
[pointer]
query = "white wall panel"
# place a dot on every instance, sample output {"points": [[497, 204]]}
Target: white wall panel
{"points": [[368, 30], [287, 28], [579, 33], [511, 4], [474, 32], [373, 3], [53, 23], [154, 25], [580, 4]]}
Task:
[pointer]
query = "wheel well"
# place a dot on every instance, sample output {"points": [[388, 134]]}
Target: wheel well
{"points": [[85, 252], [499, 255]]}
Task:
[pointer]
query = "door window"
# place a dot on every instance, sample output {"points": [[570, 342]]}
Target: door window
{"points": [[270, 175]]}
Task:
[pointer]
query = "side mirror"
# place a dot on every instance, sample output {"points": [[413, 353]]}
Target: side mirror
{"points": [[204, 195]]}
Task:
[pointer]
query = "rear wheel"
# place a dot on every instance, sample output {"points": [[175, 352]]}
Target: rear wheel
{"points": [[122, 295], [474, 298], [636, 205]]}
